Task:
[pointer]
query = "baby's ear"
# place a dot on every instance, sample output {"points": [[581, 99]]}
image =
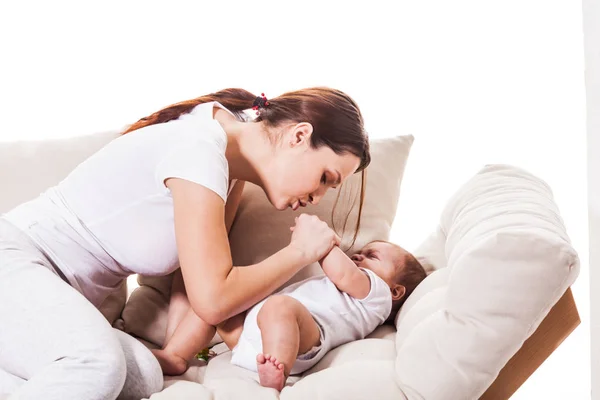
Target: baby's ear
{"points": [[398, 292]]}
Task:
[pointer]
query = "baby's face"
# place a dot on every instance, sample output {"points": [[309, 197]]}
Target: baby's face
{"points": [[379, 257]]}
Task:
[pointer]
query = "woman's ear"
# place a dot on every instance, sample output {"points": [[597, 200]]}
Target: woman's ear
{"points": [[301, 134], [398, 292]]}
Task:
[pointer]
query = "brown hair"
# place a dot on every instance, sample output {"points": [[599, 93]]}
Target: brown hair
{"points": [[335, 117], [409, 273]]}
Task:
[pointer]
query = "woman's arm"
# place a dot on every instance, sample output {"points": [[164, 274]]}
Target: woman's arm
{"points": [[179, 303], [233, 203], [216, 290]]}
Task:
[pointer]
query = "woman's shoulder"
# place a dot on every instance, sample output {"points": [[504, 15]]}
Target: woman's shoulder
{"points": [[202, 110], [206, 111], [201, 124]]}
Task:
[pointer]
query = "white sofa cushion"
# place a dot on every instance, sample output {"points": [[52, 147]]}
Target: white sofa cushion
{"points": [[30, 167], [509, 260]]}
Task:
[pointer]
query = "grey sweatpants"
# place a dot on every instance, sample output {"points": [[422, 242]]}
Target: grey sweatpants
{"points": [[54, 344]]}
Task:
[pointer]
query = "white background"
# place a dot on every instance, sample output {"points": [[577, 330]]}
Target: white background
{"points": [[476, 82], [591, 12]]}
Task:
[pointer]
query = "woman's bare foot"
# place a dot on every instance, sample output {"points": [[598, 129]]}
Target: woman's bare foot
{"points": [[270, 372], [170, 363]]}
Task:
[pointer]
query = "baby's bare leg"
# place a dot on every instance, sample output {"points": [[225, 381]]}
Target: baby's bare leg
{"points": [[179, 304], [191, 336], [230, 330], [287, 329]]}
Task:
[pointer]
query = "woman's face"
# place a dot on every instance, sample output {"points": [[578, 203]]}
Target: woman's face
{"points": [[300, 175]]}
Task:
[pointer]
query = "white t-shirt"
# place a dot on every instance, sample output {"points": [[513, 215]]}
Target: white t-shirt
{"points": [[342, 317], [113, 215]]}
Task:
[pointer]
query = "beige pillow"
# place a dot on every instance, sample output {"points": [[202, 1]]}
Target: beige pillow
{"points": [[259, 230]]}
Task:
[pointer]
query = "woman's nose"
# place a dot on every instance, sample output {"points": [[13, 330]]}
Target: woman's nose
{"points": [[314, 198]]}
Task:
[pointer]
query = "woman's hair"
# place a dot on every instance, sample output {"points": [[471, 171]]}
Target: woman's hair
{"points": [[336, 120]]}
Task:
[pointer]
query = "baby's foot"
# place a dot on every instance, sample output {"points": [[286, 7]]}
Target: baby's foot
{"points": [[270, 372], [170, 363]]}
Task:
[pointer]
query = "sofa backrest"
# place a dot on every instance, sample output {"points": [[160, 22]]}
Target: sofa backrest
{"points": [[27, 168]]}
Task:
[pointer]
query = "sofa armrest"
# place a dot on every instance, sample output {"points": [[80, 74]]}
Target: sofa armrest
{"points": [[562, 319]]}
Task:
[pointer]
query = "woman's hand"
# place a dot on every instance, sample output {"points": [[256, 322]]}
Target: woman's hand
{"points": [[313, 238]]}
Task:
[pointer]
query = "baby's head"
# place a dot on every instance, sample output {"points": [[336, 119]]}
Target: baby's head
{"points": [[396, 266]]}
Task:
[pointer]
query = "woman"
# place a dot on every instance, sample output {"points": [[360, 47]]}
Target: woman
{"points": [[162, 196]]}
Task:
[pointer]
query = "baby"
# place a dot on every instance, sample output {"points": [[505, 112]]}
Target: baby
{"points": [[291, 330]]}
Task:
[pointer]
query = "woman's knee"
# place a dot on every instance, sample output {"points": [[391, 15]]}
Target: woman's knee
{"points": [[144, 376], [106, 365], [114, 369]]}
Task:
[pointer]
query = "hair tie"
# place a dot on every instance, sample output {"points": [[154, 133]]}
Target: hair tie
{"points": [[260, 102]]}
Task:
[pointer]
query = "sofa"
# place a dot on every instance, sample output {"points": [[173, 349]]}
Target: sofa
{"points": [[495, 304]]}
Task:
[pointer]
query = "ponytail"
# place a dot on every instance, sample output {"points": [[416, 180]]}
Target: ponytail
{"points": [[235, 100]]}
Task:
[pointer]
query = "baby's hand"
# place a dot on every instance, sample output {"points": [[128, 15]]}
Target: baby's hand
{"points": [[313, 237]]}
